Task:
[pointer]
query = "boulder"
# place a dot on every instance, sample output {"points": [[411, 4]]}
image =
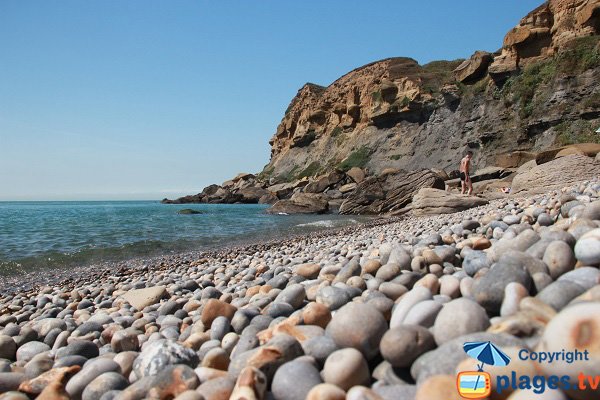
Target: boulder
{"points": [[434, 201], [301, 203], [210, 190], [252, 194], [389, 192], [347, 188], [243, 176], [281, 190], [268, 198], [324, 182], [587, 149], [514, 159], [555, 174], [502, 68], [356, 174], [223, 195], [195, 198], [474, 68]]}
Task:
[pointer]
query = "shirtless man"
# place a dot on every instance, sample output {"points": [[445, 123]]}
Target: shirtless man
{"points": [[465, 179]]}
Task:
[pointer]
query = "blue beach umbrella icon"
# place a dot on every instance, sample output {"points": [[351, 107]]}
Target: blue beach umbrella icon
{"points": [[486, 353]]}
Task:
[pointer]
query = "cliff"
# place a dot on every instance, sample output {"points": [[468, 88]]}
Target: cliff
{"points": [[540, 91], [397, 113]]}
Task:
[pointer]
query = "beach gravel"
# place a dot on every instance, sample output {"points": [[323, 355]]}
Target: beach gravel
{"points": [[374, 311]]}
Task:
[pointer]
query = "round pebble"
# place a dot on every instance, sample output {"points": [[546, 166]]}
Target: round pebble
{"points": [[360, 326], [294, 380], [457, 318], [402, 345], [346, 368]]}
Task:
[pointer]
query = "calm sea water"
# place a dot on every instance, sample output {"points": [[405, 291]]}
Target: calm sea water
{"points": [[36, 235]]}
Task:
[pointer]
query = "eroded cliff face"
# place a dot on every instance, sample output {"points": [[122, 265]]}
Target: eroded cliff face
{"points": [[544, 32], [396, 113]]}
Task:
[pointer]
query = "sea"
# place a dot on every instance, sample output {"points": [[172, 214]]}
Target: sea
{"points": [[56, 234]]}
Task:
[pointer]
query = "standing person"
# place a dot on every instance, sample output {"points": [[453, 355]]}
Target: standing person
{"points": [[465, 178]]}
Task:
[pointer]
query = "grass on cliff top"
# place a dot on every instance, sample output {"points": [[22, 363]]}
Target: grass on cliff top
{"points": [[572, 132], [358, 158], [578, 56], [439, 73]]}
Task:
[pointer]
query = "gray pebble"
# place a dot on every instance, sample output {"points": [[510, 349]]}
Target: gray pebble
{"points": [[294, 379]]}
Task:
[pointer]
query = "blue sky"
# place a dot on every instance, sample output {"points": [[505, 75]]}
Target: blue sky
{"points": [[117, 99]]}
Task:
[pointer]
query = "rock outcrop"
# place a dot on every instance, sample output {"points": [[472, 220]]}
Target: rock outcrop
{"points": [[301, 203], [475, 68], [434, 201], [520, 104], [544, 31], [388, 192], [395, 113], [556, 174]]}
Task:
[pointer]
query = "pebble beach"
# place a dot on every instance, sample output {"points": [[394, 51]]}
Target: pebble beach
{"points": [[379, 311]]}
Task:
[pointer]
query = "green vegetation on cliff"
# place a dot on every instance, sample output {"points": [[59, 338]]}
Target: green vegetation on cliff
{"points": [[439, 73], [581, 55], [311, 170], [572, 132], [358, 158]]}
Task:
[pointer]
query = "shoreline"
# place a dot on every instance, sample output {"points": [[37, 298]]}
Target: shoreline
{"points": [[69, 275], [66, 275], [521, 272]]}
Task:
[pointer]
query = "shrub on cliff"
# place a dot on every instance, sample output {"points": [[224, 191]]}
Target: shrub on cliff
{"points": [[358, 158]]}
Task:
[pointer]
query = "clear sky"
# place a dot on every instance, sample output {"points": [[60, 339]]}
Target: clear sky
{"points": [[119, 99]]}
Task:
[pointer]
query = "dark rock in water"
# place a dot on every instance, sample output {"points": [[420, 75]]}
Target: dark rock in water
{"points": [[189, 211]]}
